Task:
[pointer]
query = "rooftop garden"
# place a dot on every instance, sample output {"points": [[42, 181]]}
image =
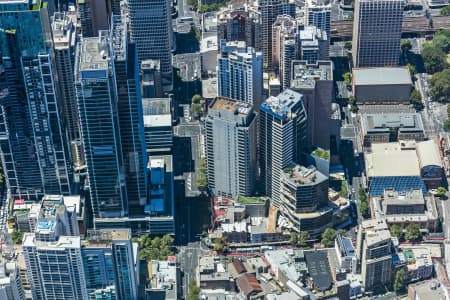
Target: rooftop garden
{"points": [[324, 154], [250, 200]]}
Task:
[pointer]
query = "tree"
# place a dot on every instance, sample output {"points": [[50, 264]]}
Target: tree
{"points": [[353, 106], [194, 291], [411, 69], [440, 86], [441, 191], [445, 11], [412, 232], [435, 60], [293, 239], [196, 98], [396, 231], [221, 244], [347, 79], [328, 237], [399, 282], [442, 40], [405, 45], [416, 99], [196, 109], [348, 46], [364, 209], [303, 238], [17, 237]]}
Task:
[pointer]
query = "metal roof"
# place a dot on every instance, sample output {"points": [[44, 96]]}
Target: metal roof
{"points": [[381, 76]]}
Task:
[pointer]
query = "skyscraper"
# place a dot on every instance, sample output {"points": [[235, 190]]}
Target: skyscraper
{"points": [[151, 81], [126, 70], [151, 30], [110, 109], [270, 10], [313, 44], [284, 47], [377, 30], [315, 83], [54, 268], [98, 107], [318, 14], [374, 251], [230, 147], [65, 40], [11, 287], [158, 125], [240, 22], [94, 16], [239, 73], [109, 264], [53, 255], [33, 147], [282, 137]]}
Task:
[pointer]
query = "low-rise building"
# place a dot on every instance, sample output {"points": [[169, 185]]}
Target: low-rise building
{"points": [[427, 290], [164, 279], [418, 263], [381, 85], [345, 253], [391, 127], [211, 274]]}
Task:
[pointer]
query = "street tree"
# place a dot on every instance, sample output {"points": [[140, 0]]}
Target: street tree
{"points": [[396, 231], [434, 59], [441, 191], [416, 99], [412, 232], [194, 291], [440, 86], [328, 237], [399, 282]]}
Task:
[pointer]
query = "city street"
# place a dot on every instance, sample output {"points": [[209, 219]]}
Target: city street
{"points": [[187, 257]]}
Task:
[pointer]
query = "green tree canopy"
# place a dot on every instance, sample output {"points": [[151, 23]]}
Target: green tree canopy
{"points": [[396, 231], [412, 232], [221, 244], [196, 98], [440, 86], [348, 46], [434, 59], [441, 191], [347, 79], [157, 248], [399, 282], [416, 99], [405, 45], [328, 237], [194, 291], [445, 11]]}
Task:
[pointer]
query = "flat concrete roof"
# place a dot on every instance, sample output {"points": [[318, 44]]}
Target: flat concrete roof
{"points": [[391, 159], [385, 121], [381, 76]]}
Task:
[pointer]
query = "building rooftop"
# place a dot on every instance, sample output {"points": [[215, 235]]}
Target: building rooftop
{"points": [[319, 269], [104, 237], [63, 29], [95, 55], [345, 246], [302, 175], [392, 159], [163, 276], [428, 154], [412, 197], [381, 76], [248, 284], [63, 242], [304, 75], [281, 105], [230, 105], [426, 290], [156, 106], [384, 122]]}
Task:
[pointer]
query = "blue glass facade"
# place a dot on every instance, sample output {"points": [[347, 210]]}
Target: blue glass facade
{"points": [[33, 147]]}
